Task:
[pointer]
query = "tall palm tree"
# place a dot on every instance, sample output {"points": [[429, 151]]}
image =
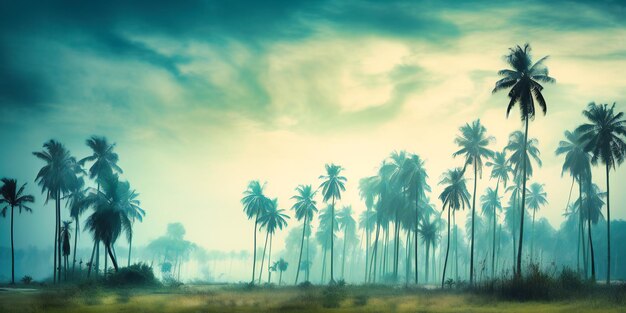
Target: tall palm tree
{"points": [[78, 205], [429, 232], [415, 177], [523, 81], [396, 169], [255, 204], [305, 208], [272, 219], [56, 177], [348, 225], [604, 138], [590, 204], [578, 164], [325, 232], [132, 205], [12, 197], [104, 158], [473, 142], [455, 196], [332, 186], [110, 216], [66, 230], [536, 198], [367, 192], [491, 204], [522, 150]]}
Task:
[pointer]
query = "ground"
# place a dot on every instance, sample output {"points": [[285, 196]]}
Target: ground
{"points": [[231, 298]]}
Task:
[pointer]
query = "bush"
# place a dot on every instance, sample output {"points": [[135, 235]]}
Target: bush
{"points": [[332, 296], [27, 280], [139, 274], [305, 285]]}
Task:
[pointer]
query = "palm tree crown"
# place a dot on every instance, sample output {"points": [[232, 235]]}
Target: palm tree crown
{"points": [[604, 135], [12, 197], [305, 204], [516, 146], [473, 142], [333, 183]]}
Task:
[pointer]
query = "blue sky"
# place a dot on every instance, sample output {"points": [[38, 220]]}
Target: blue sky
{"points": [[203, 96]]}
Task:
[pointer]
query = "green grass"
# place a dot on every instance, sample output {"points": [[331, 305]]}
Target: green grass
{"points": [[288, 299]]}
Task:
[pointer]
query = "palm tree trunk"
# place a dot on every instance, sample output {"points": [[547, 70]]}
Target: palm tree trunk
{"points": [[532, 240], [12, 250], [269, 260], [407, 261], [367, 246], [456, 246], [324, 265], [106, 261], [56, 235], [415, 235], [593, 261], [473, 219], [130, 246], [301, 248], [343, 259], [581, 227], [493, 245], [263, 257], [59, 237], [256, 222], [445, 263], [332, 241], [93, 252], [308, 262], [426, 268], [108, 247], [75, 244], [374, 254], [280, 278], [608, 228], [518, 272]]}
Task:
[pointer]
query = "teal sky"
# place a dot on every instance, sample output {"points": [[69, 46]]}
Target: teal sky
{"points": [[203, 96]]}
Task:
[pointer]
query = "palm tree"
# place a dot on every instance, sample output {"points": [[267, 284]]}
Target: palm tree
{"points": [[591, 207], [66, 230], [281, 266], [78, 205], [491, 204], [604, 138], [523, 79], [347, 224], [536, 198], [367, 192], [367, 221], [415, 177], [429, 232], [104, 158], [255, 203], [132, 206], [325, 232], [455, 196], [56, 177], [305, 208], [473, 142], [578, 164], [110, 217], [12, 198], [332, 187], [271, 220]]}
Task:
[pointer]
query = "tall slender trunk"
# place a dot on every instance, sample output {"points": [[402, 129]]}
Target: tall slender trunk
{"points": [[518, 272], [532, 240], [93, 252], [308, 262], [12, 250], [75, 243], [256, 222], [130, 246], [396, 251], [473, 219], [269, 260], [367, 245], [332, 242], [108, 247], [426, 268], [280, 278], [301, 248], [263, 257], [415, 235], [56, 235], [581, 227], [456, 247], [343, 259], [106, 261], [445, 263], [374, 254], [59, 236], [593, 259], [407, 261], [608, 228], [493, 245], [324, 265]]}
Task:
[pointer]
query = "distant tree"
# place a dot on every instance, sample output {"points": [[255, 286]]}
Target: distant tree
{"points": [[56, 177], [536, 198], [66, 230], [590, 204], [473, 142], [281, 266], [430, 234], [604, 137], [255, 203], [78, 206], [491, 204], [367, 192], [273, 219], [455, 196], [523, 80], [11, 197], [131, 205], [348, 225], [332, 186], [305, 208]]}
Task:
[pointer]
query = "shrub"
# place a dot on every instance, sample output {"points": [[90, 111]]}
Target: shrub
{"points": [[305, 285], [360, 300], [139, 274], [332, 296], [27, 280]]}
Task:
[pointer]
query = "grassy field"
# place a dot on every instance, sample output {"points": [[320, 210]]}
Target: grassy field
{"points": [[289, 299]]}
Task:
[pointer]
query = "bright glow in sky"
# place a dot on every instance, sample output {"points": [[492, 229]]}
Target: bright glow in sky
{"points": [[201, 98]]}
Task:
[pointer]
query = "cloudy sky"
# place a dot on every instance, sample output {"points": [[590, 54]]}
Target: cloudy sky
{"points": [[203, 96]]}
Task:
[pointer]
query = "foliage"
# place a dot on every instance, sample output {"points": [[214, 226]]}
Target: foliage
{"points": [[136, 275]]}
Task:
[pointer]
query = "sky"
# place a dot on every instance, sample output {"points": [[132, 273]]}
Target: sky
{"points": [[201, 97]]}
